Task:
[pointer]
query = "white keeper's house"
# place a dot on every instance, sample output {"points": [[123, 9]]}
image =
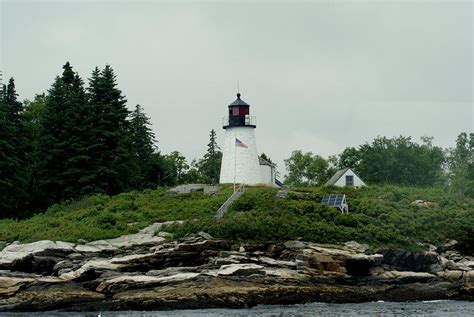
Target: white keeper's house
{"points": [[346, 177], [240, 161]]}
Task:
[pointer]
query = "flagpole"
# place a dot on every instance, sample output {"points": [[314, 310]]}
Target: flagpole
{"points": [[235, 159]]}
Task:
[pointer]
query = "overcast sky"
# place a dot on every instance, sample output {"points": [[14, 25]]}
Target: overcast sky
{"points": [[319, 76]]}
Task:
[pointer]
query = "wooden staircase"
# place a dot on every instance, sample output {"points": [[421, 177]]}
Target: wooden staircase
{"points": [[225, 206]]}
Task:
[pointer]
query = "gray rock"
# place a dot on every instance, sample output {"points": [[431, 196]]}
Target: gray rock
{"points": [[356, 247], [75, 256], [205, 235], [241, 269], [126, 282], [165, 235], [294, 244], [449, 245], [281, 194], [189, 188], [409, 261], [63, 265], [31, 257]]}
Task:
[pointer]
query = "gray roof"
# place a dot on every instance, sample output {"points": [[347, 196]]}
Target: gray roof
{"points": [[265, 162], [239, 102], [336, 176]]}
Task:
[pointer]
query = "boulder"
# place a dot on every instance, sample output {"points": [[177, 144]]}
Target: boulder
{"points": [[205, 235], [322, 262], [144, 238], [404, 260], [88, 270], [190, 188], [452, 276], [40, 256], [356, 247], [468, 279], [448, 245], [295, 245]]}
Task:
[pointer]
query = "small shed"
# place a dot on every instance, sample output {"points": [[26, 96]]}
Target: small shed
{"points": [[268, 172], [346, 177]]}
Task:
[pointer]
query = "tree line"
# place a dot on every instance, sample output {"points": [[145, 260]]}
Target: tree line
{"points": [[76, 141], [397, 160]]}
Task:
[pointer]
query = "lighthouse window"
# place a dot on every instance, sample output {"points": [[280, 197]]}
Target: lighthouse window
{"points": [[243, 111], [235, 111]]}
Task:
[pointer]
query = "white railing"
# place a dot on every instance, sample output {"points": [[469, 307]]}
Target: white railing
{"points": [[225, 206]]}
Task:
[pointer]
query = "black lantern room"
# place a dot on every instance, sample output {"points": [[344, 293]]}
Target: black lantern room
{"points": [[239, 115]]}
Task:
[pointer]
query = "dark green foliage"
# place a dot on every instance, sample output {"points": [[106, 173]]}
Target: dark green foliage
{"points": [[396, 161], [13, 173], [85, 141], [174, 169], [266, 158], [143, 141], [461, 165], [62, 145], [102, 217], [306, 169], [379, 215], [209, 166], [112, 152], [31, 120]]}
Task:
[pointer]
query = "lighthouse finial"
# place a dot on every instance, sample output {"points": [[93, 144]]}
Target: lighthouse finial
{"points": [[238, 90]]}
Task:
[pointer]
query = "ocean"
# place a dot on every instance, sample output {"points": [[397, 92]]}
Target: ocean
{"points": [[375, 309]]}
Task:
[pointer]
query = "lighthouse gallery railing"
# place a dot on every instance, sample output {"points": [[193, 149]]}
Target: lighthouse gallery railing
{"points": [[249, 120]]}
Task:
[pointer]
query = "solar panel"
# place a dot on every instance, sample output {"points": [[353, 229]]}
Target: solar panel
{"points": [[333, 200], [337, 201]]}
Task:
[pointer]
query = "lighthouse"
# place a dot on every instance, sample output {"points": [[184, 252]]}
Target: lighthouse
{"points": [[240, 160]]}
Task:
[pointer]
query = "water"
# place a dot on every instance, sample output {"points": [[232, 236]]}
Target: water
{"points": [[378, 309]]}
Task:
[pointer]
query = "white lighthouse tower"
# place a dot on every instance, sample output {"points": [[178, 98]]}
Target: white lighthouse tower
{"points": [[240, 161]]}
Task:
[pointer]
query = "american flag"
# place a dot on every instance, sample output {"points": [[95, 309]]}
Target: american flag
{"points": [[239, 143]]}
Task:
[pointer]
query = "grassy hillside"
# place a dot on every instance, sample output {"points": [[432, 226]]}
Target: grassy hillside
{"points": [[379, 215]]}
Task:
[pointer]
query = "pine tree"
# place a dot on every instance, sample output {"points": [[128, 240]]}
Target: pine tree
{"points": [[143, 140], [31, 120], [61, 141], [112, 151], [12, 154], [210, 164]]}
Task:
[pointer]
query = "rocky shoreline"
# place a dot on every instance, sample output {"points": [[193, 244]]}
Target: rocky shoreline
{"points": [[145, 271]]}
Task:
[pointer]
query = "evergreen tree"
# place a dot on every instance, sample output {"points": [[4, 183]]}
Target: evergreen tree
{"points": [[53, 141], [63, 141], [143, 140], [31, 120], [12, 154], [210, 165], [112, 151]]}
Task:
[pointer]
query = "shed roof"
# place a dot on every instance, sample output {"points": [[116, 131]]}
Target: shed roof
{"points": [[336, 176], [265, 162]]}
